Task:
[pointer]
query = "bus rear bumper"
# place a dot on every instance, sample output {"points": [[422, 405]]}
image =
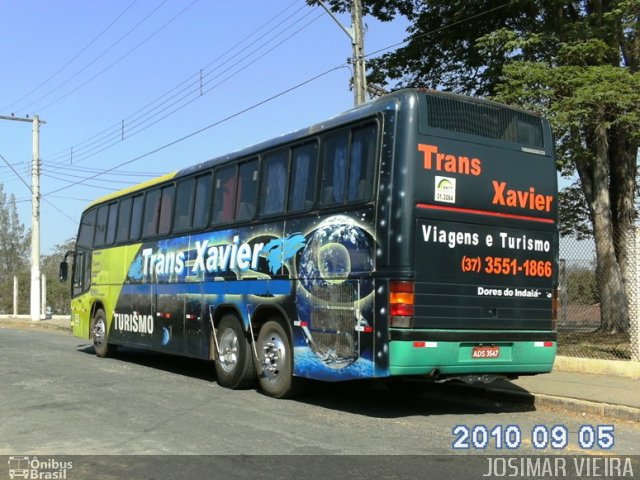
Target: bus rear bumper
{"points": [[457, 358]]}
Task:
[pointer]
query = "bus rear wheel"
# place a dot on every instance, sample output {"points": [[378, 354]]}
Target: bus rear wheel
{"points": [[276, 358], [234, 363], [100, 335]]}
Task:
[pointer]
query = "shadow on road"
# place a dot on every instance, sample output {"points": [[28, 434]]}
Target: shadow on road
{"points": [[372, 398], [389, 399], [190, 367]]}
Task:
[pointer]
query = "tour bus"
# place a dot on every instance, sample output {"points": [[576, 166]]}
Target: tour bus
{"points": [[414, 236]]}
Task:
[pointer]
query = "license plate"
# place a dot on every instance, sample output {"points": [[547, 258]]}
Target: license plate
{"points": [[492, 351]]}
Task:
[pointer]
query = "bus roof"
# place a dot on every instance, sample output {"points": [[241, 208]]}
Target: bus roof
{"points": [[386, 102], [133, 188], [350, 115]]}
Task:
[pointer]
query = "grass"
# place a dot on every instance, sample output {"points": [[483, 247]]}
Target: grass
{"points": [[595, 344]]}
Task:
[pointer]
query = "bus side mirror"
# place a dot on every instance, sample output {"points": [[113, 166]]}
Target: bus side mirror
{"points": [[64, 270], [64, 266]]}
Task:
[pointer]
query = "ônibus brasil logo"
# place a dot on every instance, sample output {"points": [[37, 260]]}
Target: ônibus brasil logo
{"points": [[36, 469]]}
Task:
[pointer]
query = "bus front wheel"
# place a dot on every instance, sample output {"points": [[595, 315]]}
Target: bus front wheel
{"points": [[100, 335], [276, 362], [234, 362]]}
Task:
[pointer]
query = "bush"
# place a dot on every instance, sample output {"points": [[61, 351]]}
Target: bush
{"points": [[581, 287]]}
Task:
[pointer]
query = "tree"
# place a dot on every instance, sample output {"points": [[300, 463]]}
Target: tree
{"points": [[576, 62], [581, 286], [58, 293], [14, 248]]}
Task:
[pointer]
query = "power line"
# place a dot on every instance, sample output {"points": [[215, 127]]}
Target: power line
{"points": [[146, 125], [59, 210], [122, 57], [125, 173], [71, 182], [100, 56], [180, 107], [16, 173], [61, 197], [120, 182], [192, 134], [472, 17], [44, 82], [115, 134]]}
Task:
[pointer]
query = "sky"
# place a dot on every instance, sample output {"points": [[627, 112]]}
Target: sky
{"points": [[145, 87]]}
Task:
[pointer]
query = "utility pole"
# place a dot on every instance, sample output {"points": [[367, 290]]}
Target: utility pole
{"points": [[35, 222], [35, 214], [359, 77], [355, 34], [15, 295]]}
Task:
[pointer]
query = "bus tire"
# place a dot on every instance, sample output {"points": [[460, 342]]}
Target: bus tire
{"points": [[276, 358], [234, 366], [100, 335]]}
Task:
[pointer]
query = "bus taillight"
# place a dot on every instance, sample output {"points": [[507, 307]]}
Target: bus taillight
{"points": [[401, 303]]}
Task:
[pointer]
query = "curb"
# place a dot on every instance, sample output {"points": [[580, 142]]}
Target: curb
{"points": [[498, 398], [619, 412], [621, 368], [40, 325]]}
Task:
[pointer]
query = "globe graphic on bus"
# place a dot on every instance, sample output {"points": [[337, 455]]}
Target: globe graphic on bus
{"points": [[329, 292]]}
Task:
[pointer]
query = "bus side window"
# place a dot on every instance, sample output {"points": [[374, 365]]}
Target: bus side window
{"points": [[124, 220], [78, 273], [274, 183], [334, 168], [81, 272], [166, 209], [87, 227], [361, 163], [225, 195], [151, 211], [86, 277], [302, 187], [111, 223], [101, 226], [247, 190], [136, 217], [202, 201], [184, 205]]}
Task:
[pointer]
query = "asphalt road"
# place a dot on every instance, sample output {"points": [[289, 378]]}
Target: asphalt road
{"points": [[57, 398]]}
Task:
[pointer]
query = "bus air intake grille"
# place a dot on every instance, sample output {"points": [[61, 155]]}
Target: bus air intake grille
{"points": [[484, 120], [333, 323]]}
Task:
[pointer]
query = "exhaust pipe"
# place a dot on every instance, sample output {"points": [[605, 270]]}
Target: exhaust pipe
{"points": [[474, 378]]}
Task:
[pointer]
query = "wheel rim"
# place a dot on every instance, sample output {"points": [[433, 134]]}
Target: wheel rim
{"points": [[99, 332], [228, 350], [275, 356]]}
